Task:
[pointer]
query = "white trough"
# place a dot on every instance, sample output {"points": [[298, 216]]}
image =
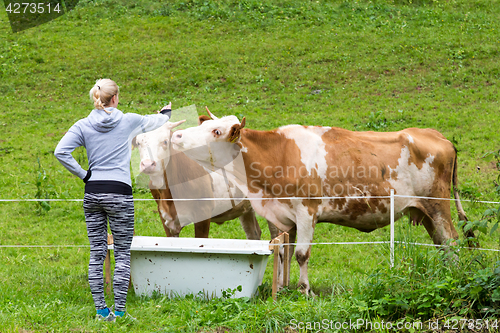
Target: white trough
{"points": [[182, 266]]}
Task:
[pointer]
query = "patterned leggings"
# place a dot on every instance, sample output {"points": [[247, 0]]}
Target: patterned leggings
{"points": [[119, 209]]}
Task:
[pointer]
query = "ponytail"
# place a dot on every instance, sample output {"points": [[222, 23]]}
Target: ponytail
{"points": [[102, 92]]}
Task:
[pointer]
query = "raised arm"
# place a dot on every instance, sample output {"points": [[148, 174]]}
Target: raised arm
{"points": [[153, 121]]}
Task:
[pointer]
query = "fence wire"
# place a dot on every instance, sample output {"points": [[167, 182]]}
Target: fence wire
{"points": [[392, 196], [262, 199]]}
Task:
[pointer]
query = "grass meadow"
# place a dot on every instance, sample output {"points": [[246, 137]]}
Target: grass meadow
{"points": [[380, 65]]}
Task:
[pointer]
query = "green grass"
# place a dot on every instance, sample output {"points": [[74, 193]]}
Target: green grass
{"points": [[368, 65]]}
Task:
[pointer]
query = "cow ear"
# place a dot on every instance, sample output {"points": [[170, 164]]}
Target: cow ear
{"points": [[202, 118], [235, 132], [134, 142]]}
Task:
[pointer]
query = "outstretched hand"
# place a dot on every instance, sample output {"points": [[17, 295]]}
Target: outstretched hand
{"points": [[166, 108]]}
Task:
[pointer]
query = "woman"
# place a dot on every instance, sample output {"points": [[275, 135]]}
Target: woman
{"points": [[107, 134]]}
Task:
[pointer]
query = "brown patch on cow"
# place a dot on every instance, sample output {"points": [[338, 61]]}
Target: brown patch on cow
{"points": [[302, 258], [312, 205], [235, 131], [441, 169], [356, 208], [203, 118], [338, 204], [377, 204], [417, 156], [274, 154], [424, 145], [383, 171]]}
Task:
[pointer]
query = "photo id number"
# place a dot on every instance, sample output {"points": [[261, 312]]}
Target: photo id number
{"points": [[32, 8]]}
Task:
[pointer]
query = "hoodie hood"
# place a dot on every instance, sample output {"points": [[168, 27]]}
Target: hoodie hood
{"points": [[104, 122]]}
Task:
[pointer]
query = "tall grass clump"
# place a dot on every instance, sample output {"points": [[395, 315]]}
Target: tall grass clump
{"points": [[44, 189], [490, 219], [428, 283], [431, 283]]}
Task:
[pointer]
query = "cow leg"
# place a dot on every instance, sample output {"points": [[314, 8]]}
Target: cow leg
{"points": [[273, 230], [250, 225], [165, 223], [437, 221], [167, 231], [201, 229], [305, 233], [157, 196]]}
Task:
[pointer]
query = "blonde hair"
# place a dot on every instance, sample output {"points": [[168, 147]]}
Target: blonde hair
{"points": [[102, 92]]}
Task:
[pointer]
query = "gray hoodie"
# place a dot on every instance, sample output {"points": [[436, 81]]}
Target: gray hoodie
{"points": [[107, 139]]}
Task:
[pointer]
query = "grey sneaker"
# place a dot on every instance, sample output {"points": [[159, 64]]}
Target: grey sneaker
{"points": [[110, 317], [125, 318]]}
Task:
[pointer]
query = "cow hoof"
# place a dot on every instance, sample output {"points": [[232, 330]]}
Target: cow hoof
{"points": [[308, 293], [311, 294], [306, 290]]}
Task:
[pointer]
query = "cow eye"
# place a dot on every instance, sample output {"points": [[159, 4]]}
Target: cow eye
{"points": [[216, 132], [165, 142]]}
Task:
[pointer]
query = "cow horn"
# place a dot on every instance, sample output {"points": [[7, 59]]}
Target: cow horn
{"points": [[211, 114], [173, 125]]}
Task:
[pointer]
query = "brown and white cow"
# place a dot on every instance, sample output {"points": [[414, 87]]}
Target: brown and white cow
{"points": [[312, 163], [173, 175]]}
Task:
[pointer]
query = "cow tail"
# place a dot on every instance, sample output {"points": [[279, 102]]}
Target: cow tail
{"points": [[461, 213]]}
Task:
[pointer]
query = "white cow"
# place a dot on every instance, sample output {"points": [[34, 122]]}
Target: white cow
{"points": [[175, 176]]}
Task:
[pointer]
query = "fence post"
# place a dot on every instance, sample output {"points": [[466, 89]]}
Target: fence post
{"points": [[275, 245], [286, 261], [392, 228]]}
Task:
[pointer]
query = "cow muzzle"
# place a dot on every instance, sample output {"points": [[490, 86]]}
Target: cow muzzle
{"points": [[148, 166]]}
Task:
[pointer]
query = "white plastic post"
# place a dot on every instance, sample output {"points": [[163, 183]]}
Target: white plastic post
{"points": [[392, 228]]}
